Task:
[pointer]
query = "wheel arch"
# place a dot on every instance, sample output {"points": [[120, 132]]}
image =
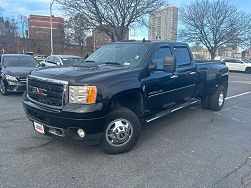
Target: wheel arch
{"points": [[131, 99], [248, 69]]}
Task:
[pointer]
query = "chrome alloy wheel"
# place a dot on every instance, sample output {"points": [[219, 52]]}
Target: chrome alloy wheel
{"points": [[119, 132], [221, 99]]}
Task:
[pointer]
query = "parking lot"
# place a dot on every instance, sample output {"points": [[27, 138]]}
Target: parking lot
{"points": [[189, 148]]}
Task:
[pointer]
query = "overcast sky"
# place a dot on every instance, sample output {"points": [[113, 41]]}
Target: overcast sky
{"points": [[13, 8]]}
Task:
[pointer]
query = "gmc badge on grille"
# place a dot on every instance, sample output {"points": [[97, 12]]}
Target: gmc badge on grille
{"points": [[39, 91]]}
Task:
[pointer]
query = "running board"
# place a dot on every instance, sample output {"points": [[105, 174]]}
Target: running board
{"points": [[171, 110]]}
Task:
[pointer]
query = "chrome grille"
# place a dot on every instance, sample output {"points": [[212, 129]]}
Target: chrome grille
{"points": [[22, 80], [47, 92]]}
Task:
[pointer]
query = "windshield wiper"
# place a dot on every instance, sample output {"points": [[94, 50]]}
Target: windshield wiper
{"points": [[89, 61], [111, 63]]}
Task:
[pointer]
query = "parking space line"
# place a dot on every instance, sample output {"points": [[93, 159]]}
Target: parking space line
{"points": [[239, 95], [243, 82]]}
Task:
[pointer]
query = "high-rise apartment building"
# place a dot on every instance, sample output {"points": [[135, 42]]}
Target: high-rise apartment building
{"points": [[163, 24]]}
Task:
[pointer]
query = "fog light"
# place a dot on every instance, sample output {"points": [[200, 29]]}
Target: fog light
{"points": [[81, 133]]}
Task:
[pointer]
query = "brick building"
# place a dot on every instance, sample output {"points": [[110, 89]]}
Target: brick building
{"points": [[40, 28]]}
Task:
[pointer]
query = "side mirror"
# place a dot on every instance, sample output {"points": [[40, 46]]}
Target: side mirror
{"points": [[41, 65], [152, 66], [169, 64], [58, 63]]}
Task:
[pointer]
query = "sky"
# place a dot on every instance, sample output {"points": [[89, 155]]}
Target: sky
{"points": [[14, 8]]}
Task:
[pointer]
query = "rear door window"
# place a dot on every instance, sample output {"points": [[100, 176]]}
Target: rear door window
{"points": [[50, 59], [238, 61], [182, 56], [56, 60]]}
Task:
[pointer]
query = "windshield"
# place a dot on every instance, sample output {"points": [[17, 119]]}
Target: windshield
{"points": [[19, 61], [247, 61], [122, 54], [71, 60]]}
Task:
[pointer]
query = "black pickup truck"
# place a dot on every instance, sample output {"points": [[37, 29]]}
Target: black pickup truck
{"points": [[106, 99]]}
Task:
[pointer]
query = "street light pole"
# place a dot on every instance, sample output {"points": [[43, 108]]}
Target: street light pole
{"points": [[94, 42], [51, 3]]}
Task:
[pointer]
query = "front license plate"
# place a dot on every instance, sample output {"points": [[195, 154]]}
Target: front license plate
{"points": [[39, 128]]}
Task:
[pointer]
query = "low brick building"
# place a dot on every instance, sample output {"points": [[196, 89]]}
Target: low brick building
{"points": [[40, 28]]}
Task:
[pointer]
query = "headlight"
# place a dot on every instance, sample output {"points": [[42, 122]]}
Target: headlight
{"points": [[82, 94], [11, 78]]}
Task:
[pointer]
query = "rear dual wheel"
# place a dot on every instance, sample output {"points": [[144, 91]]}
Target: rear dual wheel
{"points": [[205, 103], [215, 101]]}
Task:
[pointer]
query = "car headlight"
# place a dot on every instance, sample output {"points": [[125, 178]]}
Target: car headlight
{"points": [[11, 78], [82, 94]]}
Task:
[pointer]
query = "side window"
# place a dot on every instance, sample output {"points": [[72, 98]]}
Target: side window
{"points": [[159, 56], [50, 59], [229, 61], [182, 56], [237, 61], [56, 60]]}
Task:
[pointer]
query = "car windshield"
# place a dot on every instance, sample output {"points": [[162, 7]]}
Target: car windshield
{"points": [[19, 61], [120, 54], [71, 60], [246, 61]]}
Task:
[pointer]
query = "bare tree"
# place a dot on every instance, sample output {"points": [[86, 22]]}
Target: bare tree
{"points": [[76, 31], [112, 17], [23, 25], [8, 29], [215, 24]]}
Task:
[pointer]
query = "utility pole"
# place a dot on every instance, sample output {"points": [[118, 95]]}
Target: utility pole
{"points": [[51, 3], [94, 42]]}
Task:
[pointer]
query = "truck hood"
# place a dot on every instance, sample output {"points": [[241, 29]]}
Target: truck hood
{"points": [[83, 74]]}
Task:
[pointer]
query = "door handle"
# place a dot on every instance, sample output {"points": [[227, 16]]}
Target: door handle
{"points": [[174, 76], [192, 73]]}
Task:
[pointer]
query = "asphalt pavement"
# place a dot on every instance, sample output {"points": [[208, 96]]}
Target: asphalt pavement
{"points": [[189, 148]]}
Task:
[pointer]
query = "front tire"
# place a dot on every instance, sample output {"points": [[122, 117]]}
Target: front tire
{"points": [[217, 99], [122, 131], [248, 70], [3, 88]]}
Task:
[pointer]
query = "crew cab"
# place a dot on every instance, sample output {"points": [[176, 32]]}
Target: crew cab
{"points": [[119, 87]]}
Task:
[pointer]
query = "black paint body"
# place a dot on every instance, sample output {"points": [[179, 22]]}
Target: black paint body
{"points": [[152, 89]]}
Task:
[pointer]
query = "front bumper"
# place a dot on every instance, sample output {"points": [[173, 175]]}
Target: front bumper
{"points": [[66, 122], [15, 87]]}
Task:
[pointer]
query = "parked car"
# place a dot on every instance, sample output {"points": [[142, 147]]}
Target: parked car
{"points": [[122, 84], [14, 69], [238, 65], [40, 58], [59, 60]]}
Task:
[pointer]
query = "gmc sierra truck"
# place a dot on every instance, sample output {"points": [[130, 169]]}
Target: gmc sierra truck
{"points": [[122, 85]]}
